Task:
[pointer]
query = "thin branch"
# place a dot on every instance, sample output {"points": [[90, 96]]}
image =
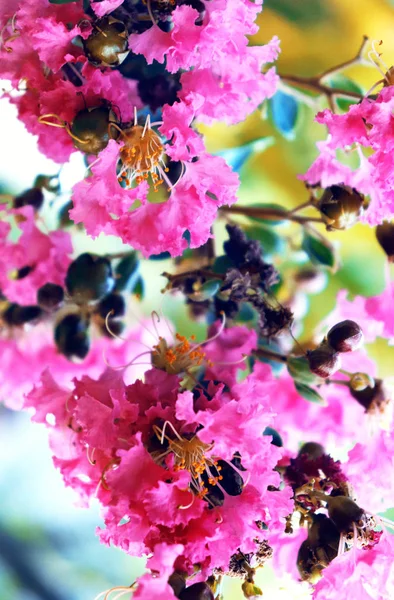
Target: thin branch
{"points": [[265, 353], [269, 214]]}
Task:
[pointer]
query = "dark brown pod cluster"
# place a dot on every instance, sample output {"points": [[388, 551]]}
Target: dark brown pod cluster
{"points": [[324, 361], [345, 336], [340, 206], [107, 45]]}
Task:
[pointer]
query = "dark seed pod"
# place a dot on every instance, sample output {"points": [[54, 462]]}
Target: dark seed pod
{"points": [[92, 129], [24, 272], [370, 396], [17, 315], [89, 278], [311, 449], [33, 197], [276, 439], [113, 303], [159, 90], [50, 296], [107, 45], [345, 336], [343, 511], [71, 336], [323, 361], [116, 327], [178, 582], [340, 206], [197, 591], [385, 236]]}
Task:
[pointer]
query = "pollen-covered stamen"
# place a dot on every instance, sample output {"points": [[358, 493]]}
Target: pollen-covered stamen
{"points": [[179, 357], [142, 155], [212, 479]]}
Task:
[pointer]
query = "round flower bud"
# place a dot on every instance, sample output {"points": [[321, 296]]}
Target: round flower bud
{"points": [[178, 582], [107, 45], [197, 591], [112, 303], [370, 396], [71, 336], [340, 206], [50, 296], [92, 129], [312, 449], [345, 336], [324, 361], [344, 512], [361, 381], [33, 197], [385, 236], [89, 278]]}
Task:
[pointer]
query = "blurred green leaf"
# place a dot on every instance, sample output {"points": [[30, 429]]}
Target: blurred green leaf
{"points": [[127, 272], [139, 288], [207, 290], [320, 252], [307, 11], [309, 393], [271, 242], [299, 370], [221, 264], [284, 113], [237, 157], [348, 85]]}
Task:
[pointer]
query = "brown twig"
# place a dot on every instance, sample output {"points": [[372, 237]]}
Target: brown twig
{"points": [[270, 214], [265, 353]]}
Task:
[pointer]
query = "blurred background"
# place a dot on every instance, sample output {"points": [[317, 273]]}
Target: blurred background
{"points": [[48, 548]]}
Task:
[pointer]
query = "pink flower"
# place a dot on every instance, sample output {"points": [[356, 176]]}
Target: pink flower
{"points": [[366, 574], [102, 205], [28, 352], [48, 256], [62, 99], [105, 6], [370, 125], [374, 314], [227, 350], [124, 442], [369, 468]]}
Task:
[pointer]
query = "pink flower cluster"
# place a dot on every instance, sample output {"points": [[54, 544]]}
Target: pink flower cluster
{"points": [[170, 466], [221, 79], [367, 125]]}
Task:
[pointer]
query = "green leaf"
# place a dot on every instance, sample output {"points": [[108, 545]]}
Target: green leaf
{"points": [[139, 288], [271, 242], [267, 220], [207, 290], [309, 393], [348, 85], [127, 272], [237, 157], [284, 113], [221, 264], [320, 252], [298, 368]]}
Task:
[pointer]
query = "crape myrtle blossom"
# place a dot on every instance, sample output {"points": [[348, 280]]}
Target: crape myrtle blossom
{"points": [[190, 468], [366, 574], [368, 125], [27, 352], [46, 255], [102, 205]]}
